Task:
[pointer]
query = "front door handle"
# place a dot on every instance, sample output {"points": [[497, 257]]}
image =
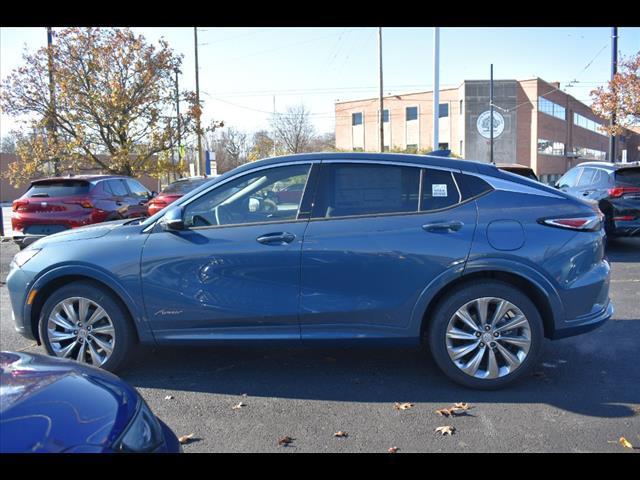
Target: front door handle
{"points": [[443, 226], [279, 238]]}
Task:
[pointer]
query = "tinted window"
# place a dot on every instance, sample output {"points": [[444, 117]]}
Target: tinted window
{"points": [[118, 188], [568, 180], [471, 186], [439, 190], [351, 189], [628, 176], [586, 178], [252, 198], [137, 189], [58, 189]]}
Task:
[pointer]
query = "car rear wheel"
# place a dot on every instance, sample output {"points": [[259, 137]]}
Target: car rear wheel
{"points": [[485, 336], [84, 322]]}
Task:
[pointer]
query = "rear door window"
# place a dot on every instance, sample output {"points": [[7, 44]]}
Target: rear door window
{"points": [[586, 179], [137, 189], [439, 190], [58, 189], [118, 188], [350, 189]]}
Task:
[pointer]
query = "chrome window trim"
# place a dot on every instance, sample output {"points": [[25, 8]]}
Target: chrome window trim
{"points": [[508, 186]]}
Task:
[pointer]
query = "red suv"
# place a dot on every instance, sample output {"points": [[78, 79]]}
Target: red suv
{"points": [[52, 205]]}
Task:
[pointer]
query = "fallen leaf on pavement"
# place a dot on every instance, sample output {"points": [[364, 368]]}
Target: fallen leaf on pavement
{"points": [[185, 438], [341, 434], [169, 397], [446, 412], [445, 430], [284, 441], [625, 443], [457, 409], [238, 406], [461, 406], [393, 450], [403, 406]]}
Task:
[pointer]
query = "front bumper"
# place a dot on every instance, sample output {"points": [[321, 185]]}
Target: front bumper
{"points": [[19, 284]]}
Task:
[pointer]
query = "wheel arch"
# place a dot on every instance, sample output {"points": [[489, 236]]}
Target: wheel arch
{"points": [[544, 301], [53, 280]]}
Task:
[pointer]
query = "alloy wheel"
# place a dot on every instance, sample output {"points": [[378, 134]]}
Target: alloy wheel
{"points": [[80, 329], [488, 338]]}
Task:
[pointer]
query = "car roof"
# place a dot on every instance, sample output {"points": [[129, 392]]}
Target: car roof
{"points": [[409, 159], [86, 178]]}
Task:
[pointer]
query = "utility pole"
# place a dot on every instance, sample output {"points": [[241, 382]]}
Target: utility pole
{"points": [[491, 114], [381, 100], [436, 87], [614, 69], [52, 99], [201, 166]]}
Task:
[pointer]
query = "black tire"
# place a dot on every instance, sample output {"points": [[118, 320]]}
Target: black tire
{"points": [[446, 308], [125, 335]]}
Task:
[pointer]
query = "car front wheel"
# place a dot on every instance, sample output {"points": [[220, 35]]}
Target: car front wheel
{"points": [[85, 322], [485, 336]]}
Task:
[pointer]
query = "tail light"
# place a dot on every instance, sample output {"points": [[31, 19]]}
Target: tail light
{"points": [[616, 192], [83, 202], [590, 223], [15, 206]]}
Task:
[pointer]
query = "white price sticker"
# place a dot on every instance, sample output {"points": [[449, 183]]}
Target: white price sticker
{"points": [[439, 190]]}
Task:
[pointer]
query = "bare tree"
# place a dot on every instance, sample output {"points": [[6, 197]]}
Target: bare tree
{"points": [[231, 147], [8, 144], [325, 142], [293, 129]]}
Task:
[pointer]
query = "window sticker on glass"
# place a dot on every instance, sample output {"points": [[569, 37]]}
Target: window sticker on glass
{"points": [[439, 190]]}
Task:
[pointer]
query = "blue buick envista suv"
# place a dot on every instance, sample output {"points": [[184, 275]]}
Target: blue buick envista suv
{"points": [[476, 264]]}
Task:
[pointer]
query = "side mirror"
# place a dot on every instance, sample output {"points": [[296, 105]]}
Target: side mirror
{"points": [[152, 194], [173, 220]]}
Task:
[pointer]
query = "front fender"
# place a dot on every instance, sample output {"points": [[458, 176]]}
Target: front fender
{"points": [[103, 276]]}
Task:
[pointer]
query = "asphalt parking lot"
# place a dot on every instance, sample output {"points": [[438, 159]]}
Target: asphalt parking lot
{"points": [[582, 397]]}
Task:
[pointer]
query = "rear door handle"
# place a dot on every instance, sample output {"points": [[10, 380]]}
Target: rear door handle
{"points": [[279, 238], [443, 226]]}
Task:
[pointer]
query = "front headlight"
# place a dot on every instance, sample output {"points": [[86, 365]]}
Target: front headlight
{"points": [[143, 434], [23, 256]]}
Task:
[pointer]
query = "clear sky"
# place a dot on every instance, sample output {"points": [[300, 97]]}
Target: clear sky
{"points": [[241, 69]]}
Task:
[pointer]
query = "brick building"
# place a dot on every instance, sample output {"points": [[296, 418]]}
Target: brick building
{"points": [[535, 124]]}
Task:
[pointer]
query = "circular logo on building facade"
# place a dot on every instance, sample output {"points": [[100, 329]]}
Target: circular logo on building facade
{"points": [[484, 127]]}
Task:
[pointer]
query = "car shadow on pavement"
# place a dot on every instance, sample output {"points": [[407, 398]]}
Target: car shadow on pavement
{"points": [[581, 375]]}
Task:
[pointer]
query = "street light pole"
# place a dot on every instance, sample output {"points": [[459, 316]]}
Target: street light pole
{"points": [[201, 166], [614, 70], [436, 87]]}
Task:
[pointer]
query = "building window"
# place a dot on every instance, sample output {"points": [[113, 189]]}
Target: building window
{"points": [[549, 147], [461, 145], [584, 122], [461, 105], [443, 110], [385, 116], [443, 146], [411, 113], [356, 118], [550, 108], [591, 153], [412, 148]]}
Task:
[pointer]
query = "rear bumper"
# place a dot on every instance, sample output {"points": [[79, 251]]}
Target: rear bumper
{"points": [[584, 324]]}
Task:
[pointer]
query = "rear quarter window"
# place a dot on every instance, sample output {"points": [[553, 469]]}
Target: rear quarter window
{"points": [[58, 189], [471, 186]]}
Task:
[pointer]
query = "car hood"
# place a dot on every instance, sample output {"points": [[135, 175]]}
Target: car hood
{"points": [[51, 405], [82, 233]]}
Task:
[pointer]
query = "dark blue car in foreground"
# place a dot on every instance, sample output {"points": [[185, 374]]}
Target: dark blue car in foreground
{"points": [[477, 264], [50, 405]]}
